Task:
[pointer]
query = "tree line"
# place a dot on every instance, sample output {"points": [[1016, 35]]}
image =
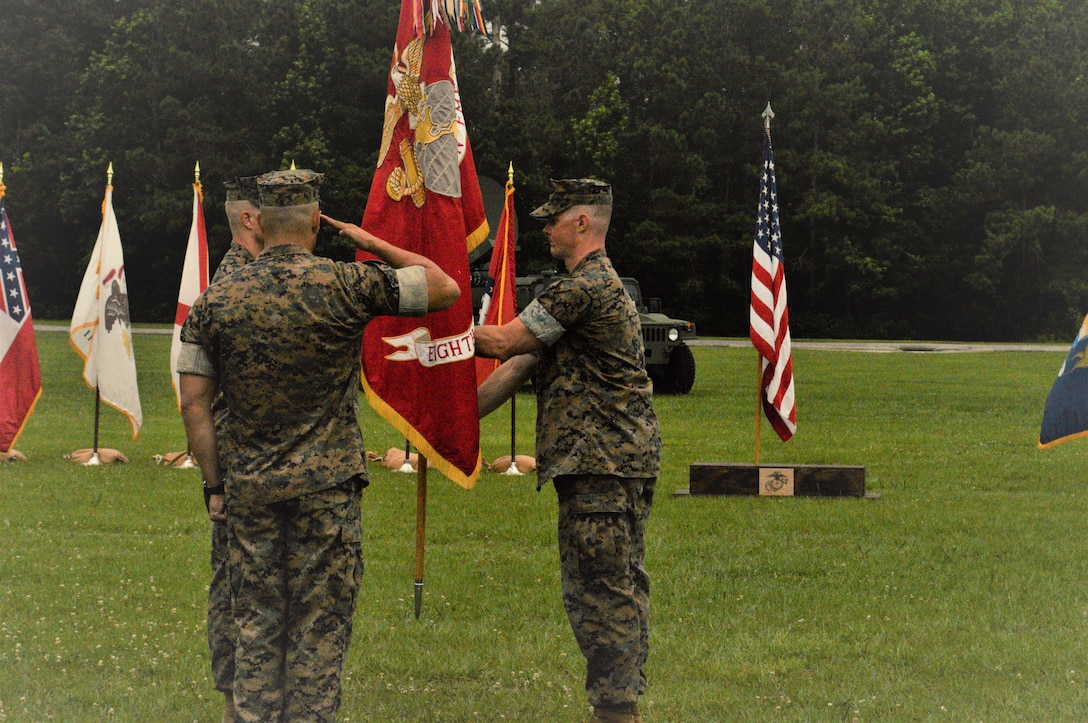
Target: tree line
{"points": [[932, 155]]}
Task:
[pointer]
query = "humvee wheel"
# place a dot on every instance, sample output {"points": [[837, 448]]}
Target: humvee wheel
{"points": [[681, 369]]}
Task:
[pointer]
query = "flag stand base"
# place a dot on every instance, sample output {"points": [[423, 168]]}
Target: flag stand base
{"points": [[93, 458], [799, 480]]}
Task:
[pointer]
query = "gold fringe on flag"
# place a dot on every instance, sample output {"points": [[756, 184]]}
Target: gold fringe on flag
{"points": [[459, 14]]}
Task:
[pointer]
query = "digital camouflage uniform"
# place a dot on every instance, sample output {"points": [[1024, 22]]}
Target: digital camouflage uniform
{"points": [[283, 337], [598, 441], [221, 634]]}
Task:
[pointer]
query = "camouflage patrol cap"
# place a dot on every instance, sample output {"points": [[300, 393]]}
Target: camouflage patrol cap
{"points": [[243, 188], [568, 192], [296, 187]]}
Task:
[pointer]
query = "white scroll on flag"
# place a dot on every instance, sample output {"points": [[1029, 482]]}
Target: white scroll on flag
{"points": [[194, 279], [101, 331]]}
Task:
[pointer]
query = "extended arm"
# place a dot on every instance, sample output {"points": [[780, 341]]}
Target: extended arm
{"points": [[197, 393], [442, 289], [504, 382], [506, 341]]}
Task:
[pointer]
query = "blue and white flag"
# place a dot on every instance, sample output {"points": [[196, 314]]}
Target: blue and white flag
{"points": [[1065, 416]]}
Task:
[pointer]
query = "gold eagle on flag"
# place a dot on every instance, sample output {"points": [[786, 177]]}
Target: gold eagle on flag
{"points": [[434, 117]]}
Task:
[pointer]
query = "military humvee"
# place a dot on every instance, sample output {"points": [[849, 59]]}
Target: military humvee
{"points": [[668, 358]]}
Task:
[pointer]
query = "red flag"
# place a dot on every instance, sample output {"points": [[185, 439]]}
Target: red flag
{"points": [[500, 294], [419, 374], [20, 375], [770, 321], [194, 278]]}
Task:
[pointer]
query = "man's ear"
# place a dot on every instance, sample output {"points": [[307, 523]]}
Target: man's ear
{"points": [[251, 219]]}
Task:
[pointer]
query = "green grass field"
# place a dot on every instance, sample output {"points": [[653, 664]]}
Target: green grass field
{"points": [[958, 595]]}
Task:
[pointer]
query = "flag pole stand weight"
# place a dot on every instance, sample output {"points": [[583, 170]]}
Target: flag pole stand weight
{"points": [[421, 527], [407, 467], [94, 461]]}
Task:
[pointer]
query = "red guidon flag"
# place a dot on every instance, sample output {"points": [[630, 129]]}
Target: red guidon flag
{"points": [[420, 374], [499, 305], [194, 279]]}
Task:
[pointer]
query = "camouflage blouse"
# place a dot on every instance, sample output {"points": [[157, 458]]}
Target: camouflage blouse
{"points": [[595, 411], [284, 335], [236, 257]]}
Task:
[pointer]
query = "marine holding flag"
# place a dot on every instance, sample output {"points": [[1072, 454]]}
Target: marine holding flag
{"points": [[426, 198], [279, 338], [20, 374], [597, 438]]}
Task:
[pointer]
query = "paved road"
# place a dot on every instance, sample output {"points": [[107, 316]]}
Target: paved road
{"points": [[887, 347], [877, 347]]}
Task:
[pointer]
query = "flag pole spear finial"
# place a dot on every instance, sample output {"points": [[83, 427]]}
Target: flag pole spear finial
{"points": [[767, 115], [196, 173], [3, 188], [509, 173], [109, 175]]}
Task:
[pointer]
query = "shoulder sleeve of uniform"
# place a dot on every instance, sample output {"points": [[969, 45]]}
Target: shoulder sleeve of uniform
{"points": [[192, 359], [540, 323], [412, 281], [568, 300]]}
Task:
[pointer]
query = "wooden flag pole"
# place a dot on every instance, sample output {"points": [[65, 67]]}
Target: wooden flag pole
{"points": [[421, 529], [759, 402]]}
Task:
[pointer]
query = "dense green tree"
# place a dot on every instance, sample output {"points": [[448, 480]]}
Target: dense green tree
{"points": [[932, 156]]}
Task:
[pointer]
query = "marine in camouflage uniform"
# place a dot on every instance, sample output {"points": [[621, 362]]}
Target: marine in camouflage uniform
{"points": [[281, 339], [241, 195], [598, 441]]}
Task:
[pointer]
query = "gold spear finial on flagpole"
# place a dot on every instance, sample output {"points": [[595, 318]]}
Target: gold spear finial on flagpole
{"points": [[196, 173], [510, 173], [109, 175]]}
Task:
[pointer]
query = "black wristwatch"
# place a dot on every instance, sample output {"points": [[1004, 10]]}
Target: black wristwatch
{"points": [[209, 491]]}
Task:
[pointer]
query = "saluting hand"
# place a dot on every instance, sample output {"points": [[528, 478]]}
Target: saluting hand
{"points": [[362, 239]]}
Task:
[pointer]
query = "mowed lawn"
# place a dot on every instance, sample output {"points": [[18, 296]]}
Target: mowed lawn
{"points": [[957, 595]]}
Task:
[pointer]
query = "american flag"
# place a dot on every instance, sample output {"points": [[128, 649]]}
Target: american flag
{"points": [[14, 301], [769, 318], [20, 375]]}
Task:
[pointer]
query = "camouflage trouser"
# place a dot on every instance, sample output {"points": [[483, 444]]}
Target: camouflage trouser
{"points": [[295, 567], [606, 591], [220, 612]]}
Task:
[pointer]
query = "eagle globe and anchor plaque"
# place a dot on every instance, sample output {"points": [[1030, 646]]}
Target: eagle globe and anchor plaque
{"points": [[770, 335]]}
